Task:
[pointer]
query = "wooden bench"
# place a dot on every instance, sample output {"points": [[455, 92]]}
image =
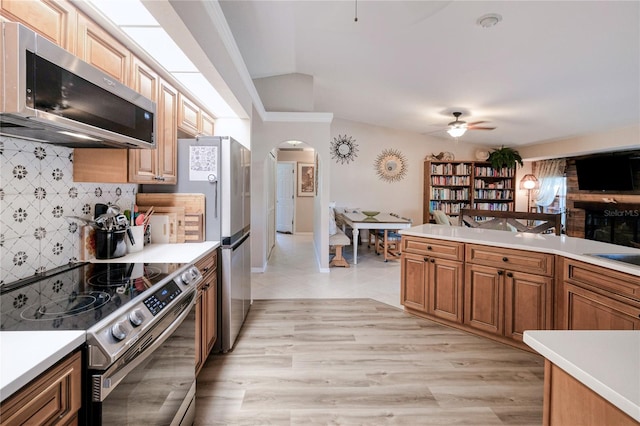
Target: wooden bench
{"points": [[338, 240]]}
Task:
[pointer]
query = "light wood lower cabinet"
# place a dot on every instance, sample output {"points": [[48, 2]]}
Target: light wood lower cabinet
{"points": [[431, 280], [597, 298], [52, 398], [206, 309], [569, 402]]}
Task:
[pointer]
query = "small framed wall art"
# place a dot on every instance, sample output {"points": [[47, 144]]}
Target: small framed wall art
{"points": [[306, 180]]}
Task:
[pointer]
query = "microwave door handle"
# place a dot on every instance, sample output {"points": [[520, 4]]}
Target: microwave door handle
{"points": [[104, 384], [214, 180]]}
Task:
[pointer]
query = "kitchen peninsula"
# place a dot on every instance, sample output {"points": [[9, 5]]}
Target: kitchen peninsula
{"points": [[501, 285]]}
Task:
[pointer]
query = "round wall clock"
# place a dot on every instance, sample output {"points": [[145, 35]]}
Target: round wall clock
{"points": [[343, 149], [391, 165]]}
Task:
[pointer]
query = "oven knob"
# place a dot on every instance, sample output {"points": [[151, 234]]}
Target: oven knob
{"points": [[136, 318], [188, 276], [119, 331]]}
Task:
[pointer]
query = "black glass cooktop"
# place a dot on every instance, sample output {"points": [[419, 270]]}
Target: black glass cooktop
{"points": [[78, 296]]}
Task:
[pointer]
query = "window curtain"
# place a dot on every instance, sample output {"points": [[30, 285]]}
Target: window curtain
{"points": [[550, 174]]}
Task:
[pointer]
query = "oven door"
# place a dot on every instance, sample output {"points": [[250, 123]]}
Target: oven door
{"points": [[154, 382]]}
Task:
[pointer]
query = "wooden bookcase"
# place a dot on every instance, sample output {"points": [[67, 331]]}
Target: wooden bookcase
{"points": [[453, 185]]}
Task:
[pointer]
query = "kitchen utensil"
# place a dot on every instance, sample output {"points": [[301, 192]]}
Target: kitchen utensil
{"points": [[138, 236], [99, 210], [110, 244]]}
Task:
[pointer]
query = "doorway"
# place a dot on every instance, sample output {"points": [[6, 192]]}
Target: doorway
{"points": [[285, 196]]}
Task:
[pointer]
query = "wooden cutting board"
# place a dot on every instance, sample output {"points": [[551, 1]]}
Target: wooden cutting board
{"points": [[176, 220], [194, 211]]}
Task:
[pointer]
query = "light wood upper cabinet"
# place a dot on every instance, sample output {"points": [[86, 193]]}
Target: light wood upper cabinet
{"points": [[52, 398], [188, 116], [192, 120], [159, 165], [54, 19], [206, 123], [102, 50]]}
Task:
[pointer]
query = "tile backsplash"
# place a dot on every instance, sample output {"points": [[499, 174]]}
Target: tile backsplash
{"points": [[37, 196]]}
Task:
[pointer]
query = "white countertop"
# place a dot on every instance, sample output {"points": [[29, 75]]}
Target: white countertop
{"points": [[26, 354], [165, 253], [571, 247], [607, 362]]}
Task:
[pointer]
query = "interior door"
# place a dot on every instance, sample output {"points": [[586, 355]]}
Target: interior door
{"points": [[285, 196]]}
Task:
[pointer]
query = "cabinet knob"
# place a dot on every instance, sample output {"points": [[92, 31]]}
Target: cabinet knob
{"points": [[500, 272], [505, 259], [432, 260], [161, 178], [510, 274], [429, 248]]}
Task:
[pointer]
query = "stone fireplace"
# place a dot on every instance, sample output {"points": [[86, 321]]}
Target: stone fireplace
{"points": [[615, 223]]}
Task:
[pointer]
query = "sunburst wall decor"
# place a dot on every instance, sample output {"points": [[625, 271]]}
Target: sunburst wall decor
{"points": [[343, 149], [391, 165]]}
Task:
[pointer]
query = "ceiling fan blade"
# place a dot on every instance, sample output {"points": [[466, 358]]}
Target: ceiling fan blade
{"points": [[480, 128], [476, 122]]}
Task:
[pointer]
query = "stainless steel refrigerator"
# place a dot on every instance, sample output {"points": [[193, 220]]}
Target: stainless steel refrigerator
{"points": [[220, 168]]}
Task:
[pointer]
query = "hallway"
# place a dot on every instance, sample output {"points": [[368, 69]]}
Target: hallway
{"points": [[292, 273]]}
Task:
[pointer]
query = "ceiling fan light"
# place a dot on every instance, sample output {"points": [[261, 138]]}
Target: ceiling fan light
{"points": [[457, 131]]}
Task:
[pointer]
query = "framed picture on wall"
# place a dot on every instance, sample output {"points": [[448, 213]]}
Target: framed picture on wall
{"points": [[306, 180]]}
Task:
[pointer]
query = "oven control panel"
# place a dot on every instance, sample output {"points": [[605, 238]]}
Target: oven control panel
{"points": [[161, 298]]}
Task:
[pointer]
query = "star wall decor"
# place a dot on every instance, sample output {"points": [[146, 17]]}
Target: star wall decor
{"points": [[343, 149], [391, 165]]}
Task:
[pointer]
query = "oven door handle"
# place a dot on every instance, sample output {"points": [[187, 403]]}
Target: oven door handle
{"points": [[103, 384]]}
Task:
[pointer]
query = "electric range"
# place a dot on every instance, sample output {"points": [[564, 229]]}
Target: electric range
{"points": [[135, 315]]}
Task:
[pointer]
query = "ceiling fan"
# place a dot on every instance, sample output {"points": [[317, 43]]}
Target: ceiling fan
{"points": [[458, 127]]}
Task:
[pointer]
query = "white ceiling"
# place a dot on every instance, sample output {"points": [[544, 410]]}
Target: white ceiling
{"points": [[549, 70]]}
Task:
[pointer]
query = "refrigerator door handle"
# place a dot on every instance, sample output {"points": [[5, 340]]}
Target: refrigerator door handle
{"points": [[214, 180]]}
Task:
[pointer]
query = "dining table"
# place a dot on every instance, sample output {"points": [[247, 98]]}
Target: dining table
{"points": [[358, 220]]}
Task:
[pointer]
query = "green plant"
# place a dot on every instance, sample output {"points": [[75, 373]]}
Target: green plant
{"points": [[504, 157]]}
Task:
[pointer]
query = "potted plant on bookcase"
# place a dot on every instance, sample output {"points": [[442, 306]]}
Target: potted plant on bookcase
{"points": [[504, 157]]}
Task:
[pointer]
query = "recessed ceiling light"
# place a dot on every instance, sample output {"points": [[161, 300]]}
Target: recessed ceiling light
{"points": [[489, 20]]}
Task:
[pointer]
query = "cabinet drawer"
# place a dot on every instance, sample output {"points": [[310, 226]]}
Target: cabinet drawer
{"points": [[517, 260], [433, 248], [602, 278], [207, 264]]}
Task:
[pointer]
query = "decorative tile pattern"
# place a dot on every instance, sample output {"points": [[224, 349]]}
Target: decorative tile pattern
{"points": [[37, 194]]}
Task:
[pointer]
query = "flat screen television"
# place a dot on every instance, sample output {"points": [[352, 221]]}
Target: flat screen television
{"points": [[605, 173]]}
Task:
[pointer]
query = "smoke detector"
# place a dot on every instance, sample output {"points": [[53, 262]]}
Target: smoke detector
{"points": [[489, 20]]}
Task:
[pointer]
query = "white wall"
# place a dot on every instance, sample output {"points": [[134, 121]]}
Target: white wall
{"points": [[288, 92], [357, 184], [626, 138]]}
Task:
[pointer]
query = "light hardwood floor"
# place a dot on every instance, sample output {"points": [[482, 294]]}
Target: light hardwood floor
{"points": [[341, 357]]}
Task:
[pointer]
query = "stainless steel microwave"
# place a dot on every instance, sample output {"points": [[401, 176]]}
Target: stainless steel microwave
{"points": [[51, 96]]}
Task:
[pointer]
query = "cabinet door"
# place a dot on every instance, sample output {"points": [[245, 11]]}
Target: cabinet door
{"points": [[52, 398], [587, 310], [159, 165], [188, 116], [168, 134], [413, 278], [483, 298], [526, 303], [54, 19], [210, 315], [142, 162], [444, 285], [206, 124], [103, 51]]}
